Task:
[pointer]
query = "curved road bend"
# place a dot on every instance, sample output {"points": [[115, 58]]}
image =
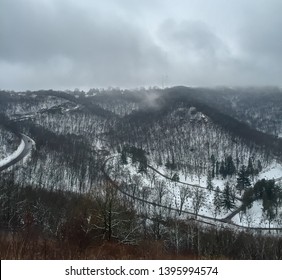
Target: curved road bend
{"points": [[27, 148], [193, 215], [226, 220]]}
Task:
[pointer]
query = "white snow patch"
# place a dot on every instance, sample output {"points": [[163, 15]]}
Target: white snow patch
{"points": [[13, 155], [274, 171], [252, 217]]}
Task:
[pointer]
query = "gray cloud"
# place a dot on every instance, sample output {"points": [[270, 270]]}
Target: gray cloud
{"points": [[190, 36], [89, 43], [76, 48], [259, 42], [260, 34]]}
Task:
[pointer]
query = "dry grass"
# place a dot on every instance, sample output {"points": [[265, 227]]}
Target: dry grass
{"points": [[21, 246]]}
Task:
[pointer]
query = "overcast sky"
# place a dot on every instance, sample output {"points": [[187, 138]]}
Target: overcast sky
{"points": [[66, 44]]}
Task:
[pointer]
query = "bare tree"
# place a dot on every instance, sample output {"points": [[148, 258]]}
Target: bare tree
{"points": [[114, 220], [198, 200], [184, 193]]}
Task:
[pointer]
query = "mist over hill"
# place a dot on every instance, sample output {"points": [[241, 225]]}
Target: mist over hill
{"points": [[161, 157]]}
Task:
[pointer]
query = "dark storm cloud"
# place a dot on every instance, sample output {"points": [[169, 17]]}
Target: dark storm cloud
{"points": [[128, 43]]}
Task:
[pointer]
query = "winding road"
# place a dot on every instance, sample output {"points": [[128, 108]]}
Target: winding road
{"points": [[204, 219], [26, 150]]}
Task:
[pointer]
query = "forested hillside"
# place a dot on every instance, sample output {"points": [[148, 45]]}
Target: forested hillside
{"points": [[179, 167]]}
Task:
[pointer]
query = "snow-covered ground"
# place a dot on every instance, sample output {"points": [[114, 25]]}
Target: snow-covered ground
{"points": [[8, 142], [274, 171], [13, 155], [173, 192], [252, 218]]}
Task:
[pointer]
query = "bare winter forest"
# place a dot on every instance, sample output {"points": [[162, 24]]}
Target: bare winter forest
{"points": [[175, 173]]}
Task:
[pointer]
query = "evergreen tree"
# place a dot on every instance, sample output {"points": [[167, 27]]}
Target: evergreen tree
{"points": [[170, 165], [175, 177], [222, 170], [230, 166], [123, 156], [250, 168], [248, 199], [209, 181], [217, 202], [270, 194], [259, 166], [243, 180], [212, 166], [227, 198], [217, 168], [159, 161], [237, 163], [143, 165]]}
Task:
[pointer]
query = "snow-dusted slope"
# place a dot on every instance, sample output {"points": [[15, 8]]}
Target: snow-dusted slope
{"points": [[14, 155], [8, 143]]}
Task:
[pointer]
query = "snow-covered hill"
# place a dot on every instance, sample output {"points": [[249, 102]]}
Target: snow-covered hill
{"points": [[186, 143]]}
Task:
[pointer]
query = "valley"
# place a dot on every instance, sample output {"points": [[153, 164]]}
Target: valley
{"points": [[144, 163]]}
